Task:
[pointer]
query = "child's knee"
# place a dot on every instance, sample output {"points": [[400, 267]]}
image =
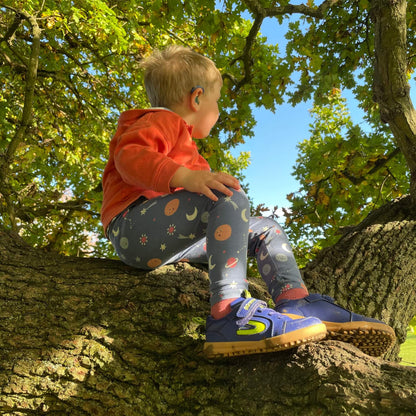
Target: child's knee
{"points": [[267, 226], [238, 199], [272, 224]]}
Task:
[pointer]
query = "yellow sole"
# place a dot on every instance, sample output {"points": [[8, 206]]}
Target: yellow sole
{"points": [[372, 338], [279, 343]]}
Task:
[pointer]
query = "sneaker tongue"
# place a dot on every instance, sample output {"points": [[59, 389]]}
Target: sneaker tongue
{"points": [[237, 301], [245, 295]]}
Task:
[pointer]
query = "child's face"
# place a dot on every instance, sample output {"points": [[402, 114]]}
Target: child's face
{"points": [[208, 112]]}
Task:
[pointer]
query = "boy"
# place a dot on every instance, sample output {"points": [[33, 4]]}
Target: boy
{"points": [[162, 204]]}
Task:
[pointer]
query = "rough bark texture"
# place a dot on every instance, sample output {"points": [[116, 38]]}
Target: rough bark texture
{"points": [[391, 87], [372, 269], [95, 337]]}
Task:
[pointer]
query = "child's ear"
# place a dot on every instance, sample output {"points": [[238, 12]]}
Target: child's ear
{"points": [[196, 92]]}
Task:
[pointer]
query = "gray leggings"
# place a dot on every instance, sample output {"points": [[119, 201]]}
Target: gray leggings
{"points": [[192, 227]]}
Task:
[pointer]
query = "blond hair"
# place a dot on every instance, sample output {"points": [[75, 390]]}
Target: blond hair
{"points": [[171, 73]]}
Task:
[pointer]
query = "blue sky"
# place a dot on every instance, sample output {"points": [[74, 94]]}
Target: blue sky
{"points": [[273, 153], [273, 147]]}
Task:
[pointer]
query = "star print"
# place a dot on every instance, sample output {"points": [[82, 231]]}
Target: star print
{"points": [[187, 237], [233, 284], [163, 247], [171, 229], [228, 199]]}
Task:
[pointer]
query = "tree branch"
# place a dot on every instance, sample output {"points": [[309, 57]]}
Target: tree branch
{"points": [[27, 114], [74, 205], [377, 165], [246, 56], [259, 13], [18, 17], [319, 12]]}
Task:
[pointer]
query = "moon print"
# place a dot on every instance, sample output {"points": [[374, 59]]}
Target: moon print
{"points": [[210, 265], [191, 217], [286, 248], [116, 232], [243, 215], [263, 255]]}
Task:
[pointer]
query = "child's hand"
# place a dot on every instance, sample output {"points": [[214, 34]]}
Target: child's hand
{"points": [[202, 181]]}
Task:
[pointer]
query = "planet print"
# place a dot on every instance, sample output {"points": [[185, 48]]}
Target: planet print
{"points": [[281, 257], [153, 263], [223, 232], [266, 269], [124, 243], [231, 263], [171, 207], [204, 217]]}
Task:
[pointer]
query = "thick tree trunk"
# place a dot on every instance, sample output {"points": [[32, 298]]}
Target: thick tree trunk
{"points": [[95, 337], [391, 87], [372, 269]]}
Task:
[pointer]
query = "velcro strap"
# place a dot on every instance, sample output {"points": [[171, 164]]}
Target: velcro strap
{"points": [[247, 309]]}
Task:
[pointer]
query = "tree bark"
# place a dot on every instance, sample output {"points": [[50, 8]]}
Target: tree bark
{"points": [[96, 337], [372, 269], [391, 87]]}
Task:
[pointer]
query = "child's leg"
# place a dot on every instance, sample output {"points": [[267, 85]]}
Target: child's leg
{"points": [[166, 229], [277, 266], [276, 262]]}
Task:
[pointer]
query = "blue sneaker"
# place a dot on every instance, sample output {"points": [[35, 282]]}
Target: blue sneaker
{"points": [[251, 328], [370, 335]]}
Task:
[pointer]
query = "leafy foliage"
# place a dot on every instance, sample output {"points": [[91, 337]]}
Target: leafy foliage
{"points": [[412, 325], [345, 172], [88, 73]]}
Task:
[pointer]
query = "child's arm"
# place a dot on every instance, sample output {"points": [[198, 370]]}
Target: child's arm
{"points": [[202, 181]]}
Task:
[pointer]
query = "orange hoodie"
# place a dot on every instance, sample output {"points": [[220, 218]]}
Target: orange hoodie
{"points": [[147, 149]]}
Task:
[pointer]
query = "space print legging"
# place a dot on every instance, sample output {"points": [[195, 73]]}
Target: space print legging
{"points": [[192, 227]]}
